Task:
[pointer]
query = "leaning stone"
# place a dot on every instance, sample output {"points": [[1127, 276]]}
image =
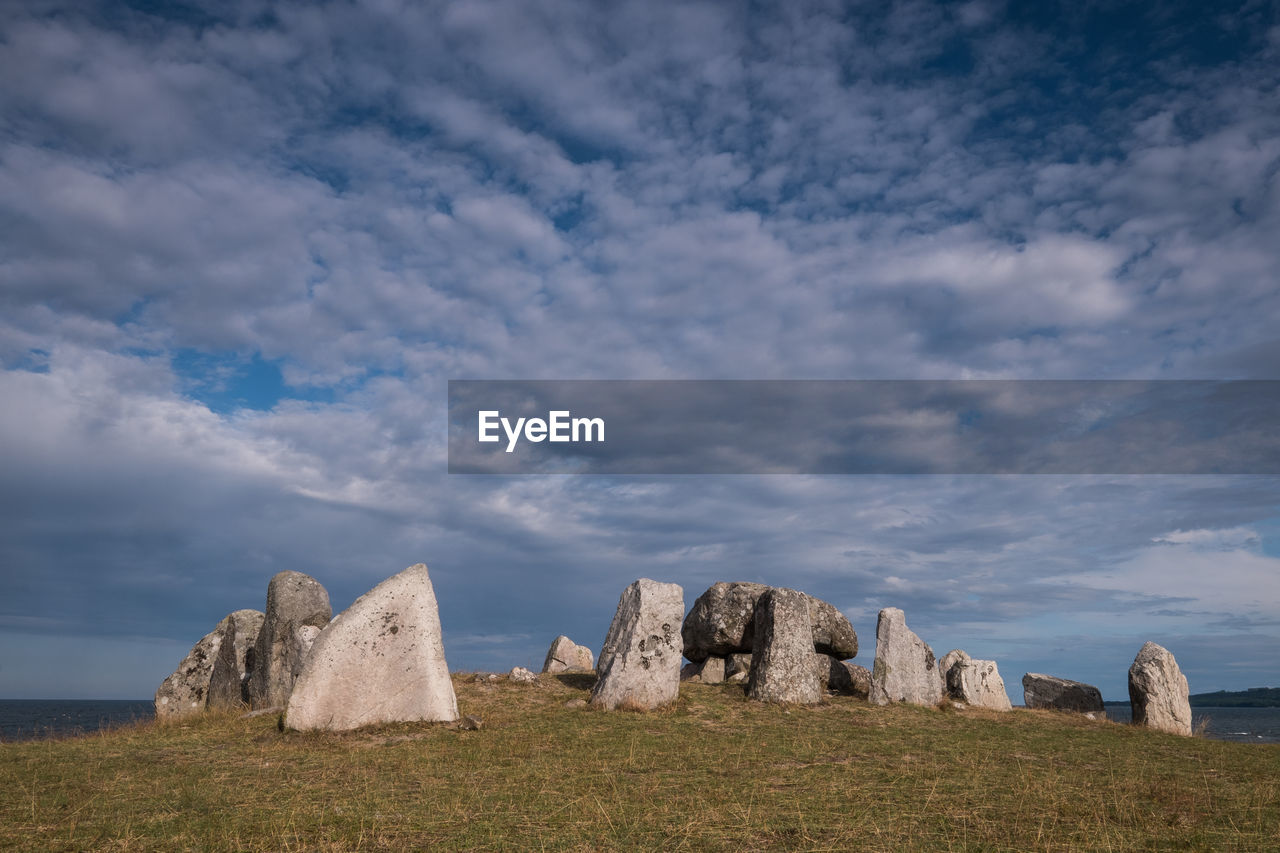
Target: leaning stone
{"points": [[722, 621], [782, 662], [229, 682], [294, 601], [1158, 691], [567, 656], [640, 661], [380, 661], [905, 669], [186, 691], [978, 683], [520, 675], [1060, 694]]}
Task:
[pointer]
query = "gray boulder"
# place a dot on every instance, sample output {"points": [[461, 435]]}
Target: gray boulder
{"points": [[709, 671], [722, 622], [1060, 694], [978, 683], [950, 659], [905, 669], [380, 661], [186, 690], [296, 603], [782, 661], [520, 675], [849, 679], [1158, 691], [567, 656], [736, 664], [229, 682], [639, 666]]}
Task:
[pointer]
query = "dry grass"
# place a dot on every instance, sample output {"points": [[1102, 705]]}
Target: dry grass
{"points": [[715, 772]]}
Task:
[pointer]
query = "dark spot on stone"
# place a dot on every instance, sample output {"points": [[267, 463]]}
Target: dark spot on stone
{"points": [[395, 629]]}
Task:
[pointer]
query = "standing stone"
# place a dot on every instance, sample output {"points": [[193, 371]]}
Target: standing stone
{"points": [[782, 661], [722, 622], [186, 691], [905, 669], [295, 604], [229, 683], [978, 683], [380, 661], [640, 661], [1060, 694], [1158, 691], [709, 671], [567, 656]]}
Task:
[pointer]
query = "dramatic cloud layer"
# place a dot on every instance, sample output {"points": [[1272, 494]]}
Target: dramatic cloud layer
{"points": [[244, 245]]}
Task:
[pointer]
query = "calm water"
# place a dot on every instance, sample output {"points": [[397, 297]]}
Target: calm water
{"points": [[25, 719], [1247, 725]]}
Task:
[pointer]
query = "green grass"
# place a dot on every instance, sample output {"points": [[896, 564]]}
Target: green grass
{"points": [[715, 772]]}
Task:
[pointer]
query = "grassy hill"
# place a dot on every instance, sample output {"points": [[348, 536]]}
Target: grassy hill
{"points": [[715, 772]]}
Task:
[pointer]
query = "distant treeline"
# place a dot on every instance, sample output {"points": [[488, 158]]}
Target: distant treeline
{"points": [[1254, 697]]}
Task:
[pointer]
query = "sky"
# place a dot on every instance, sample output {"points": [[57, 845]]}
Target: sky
{"points": [[244, 246]]}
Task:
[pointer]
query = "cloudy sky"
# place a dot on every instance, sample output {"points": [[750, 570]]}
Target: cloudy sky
{"points": [[245, 245]]}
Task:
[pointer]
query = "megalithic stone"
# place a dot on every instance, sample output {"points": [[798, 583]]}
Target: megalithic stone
{"points": [[297, 610]]}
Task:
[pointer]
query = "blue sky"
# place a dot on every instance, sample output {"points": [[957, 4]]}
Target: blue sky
{"points": [[244, 245]]}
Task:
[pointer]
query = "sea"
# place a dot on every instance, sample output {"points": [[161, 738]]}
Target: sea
{"points": [[1246, 725], [30, 719]]}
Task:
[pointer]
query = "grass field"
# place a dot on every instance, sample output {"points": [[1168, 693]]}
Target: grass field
{"points": [[715, 772]]}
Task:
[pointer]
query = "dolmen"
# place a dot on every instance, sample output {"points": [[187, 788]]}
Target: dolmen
{"points": [[639, 666], [381, 660], [751, 633], [1158, 692], [1060, 694]]}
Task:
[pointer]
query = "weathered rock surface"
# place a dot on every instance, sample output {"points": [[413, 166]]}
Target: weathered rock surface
{"points": [[1060, 694], [905, 669], [295, 603], [567, 656], [639, 663], [950, 659], [1158, 691], [722, 621], [520, 675], [859, 681], [737, 663], [977, 683], [709, 671], [229, 682], [186, 690], [380, 661], [782, 660]]}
